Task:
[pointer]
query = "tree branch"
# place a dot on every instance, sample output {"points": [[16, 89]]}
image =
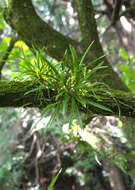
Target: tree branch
{"points": [[21, 16], [109, 6], [116, 11], [129, 10], [102, 12], [7, 52], [12, 94]]}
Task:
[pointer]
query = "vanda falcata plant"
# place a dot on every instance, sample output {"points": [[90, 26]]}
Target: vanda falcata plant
{"points": [[71, 78]]}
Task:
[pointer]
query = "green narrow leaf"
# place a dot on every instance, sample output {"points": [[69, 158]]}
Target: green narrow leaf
{"points": [[99, 106], [85, 53], [59, 95], [35, 89], [65, 105], [57, 112], [62, 75], [78, 115], [48, 107], [98, 67], [82, 85], [54, 180], [66, 58], [81, 100], [37, 62], [74, 56], [52, 119], [95, 60], [72, 111], [53, 68]]}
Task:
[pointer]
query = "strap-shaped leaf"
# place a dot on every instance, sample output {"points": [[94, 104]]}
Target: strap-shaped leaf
{"points": [[53, 67], [52, 119], [95, 61], [98, 105], [48, 107], [98, 67], [59, 95], [54, 180], [74, 56], [81, 100], [85, 53], [65, 104], [35, 89], [72, 111], [78, 115]]}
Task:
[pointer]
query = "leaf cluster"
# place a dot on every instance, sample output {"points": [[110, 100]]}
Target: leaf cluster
{"points": [[72, 79]]}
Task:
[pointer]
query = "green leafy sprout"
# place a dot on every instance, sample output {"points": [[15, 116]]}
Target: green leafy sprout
{"points": [[72, 79]]}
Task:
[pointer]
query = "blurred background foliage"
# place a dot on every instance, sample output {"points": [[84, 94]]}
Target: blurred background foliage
{"points": [[30, 160]]}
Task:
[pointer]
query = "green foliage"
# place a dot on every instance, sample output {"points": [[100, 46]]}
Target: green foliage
{"points": [[2, 23], [4, 45], [123, 54], [84, 163], [121, 162], [9, 175], [72, 79], [54, 180], [127, 69], [96, 1]]}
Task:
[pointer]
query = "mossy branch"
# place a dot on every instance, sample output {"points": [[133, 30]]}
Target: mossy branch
{"points": [[12, 94]]}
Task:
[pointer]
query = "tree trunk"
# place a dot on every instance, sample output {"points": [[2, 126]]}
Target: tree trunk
{"points": [[115, 178]]}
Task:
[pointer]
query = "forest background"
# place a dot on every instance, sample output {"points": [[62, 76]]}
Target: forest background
{"points": [[100, 153]]}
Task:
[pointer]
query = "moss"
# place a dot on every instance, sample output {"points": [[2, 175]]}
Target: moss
{"points": [[12, 94]]}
